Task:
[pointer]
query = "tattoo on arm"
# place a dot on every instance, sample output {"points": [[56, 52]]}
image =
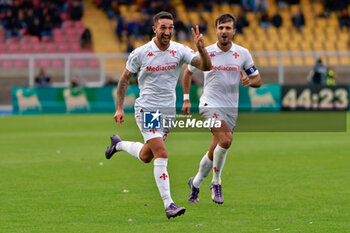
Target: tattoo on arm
{"points": [[122, 88], [196, 61]]}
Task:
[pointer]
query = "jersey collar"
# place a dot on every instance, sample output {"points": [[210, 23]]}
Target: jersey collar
{"points": [[155, 47], [217, 49]]}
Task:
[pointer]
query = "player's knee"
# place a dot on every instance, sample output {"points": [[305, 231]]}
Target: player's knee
{"points": [[161, 153], [147, 160], [226, 141]]}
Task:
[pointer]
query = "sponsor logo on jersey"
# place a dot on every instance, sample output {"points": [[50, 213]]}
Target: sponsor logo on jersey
{"points": [[150, 54], [212, 55], [236, 55], [173, 52], [169, 66], [225, 68]]}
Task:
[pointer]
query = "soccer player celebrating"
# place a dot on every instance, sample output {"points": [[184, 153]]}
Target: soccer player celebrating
{"points": [[158, 63], [220, 100]]}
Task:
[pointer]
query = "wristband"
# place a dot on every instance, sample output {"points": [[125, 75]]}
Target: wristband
{"points": [[186, 96]]}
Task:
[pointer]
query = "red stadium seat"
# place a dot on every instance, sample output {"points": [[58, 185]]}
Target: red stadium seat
{"points": [[34, 40], [75, 48], [12, 48], [58, 38], [21, 64], [24, 48], [57, 32], [36, 48], [57, 63], [7, 64], [93, 63], [50, 48], [62, 47], [42, 63], [80, 63]]}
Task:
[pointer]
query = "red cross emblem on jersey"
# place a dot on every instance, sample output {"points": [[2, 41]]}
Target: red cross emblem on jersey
{"points": [[212, 55], [153, 130], [163, 176], [236, 55], [150, 54], [215, 115], [165, 135], [173, 52]]}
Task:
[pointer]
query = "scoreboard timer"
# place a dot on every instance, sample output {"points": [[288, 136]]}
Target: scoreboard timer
{"points": [[315, 98]]}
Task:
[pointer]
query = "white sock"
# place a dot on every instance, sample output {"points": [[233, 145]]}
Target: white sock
{"points": [[132, 148], [205, 167], [162, 179], [218, 163]]}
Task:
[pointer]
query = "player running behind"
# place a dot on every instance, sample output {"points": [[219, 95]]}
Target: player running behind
{"points": [[220, 100], [158, 63]]}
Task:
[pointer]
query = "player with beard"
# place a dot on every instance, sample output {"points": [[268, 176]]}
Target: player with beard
{"points": [[220, 100], [159, 64]]}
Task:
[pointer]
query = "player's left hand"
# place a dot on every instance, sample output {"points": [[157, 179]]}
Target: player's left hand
{"points": [[186, 107], [245, 80], [198, 38]]}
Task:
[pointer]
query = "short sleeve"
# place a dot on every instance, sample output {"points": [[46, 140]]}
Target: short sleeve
{"points": [[187, 54], [248, 66], [192, 68], [133, 64]]}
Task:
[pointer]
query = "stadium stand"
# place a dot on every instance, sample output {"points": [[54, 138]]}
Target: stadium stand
{"points": [[320, 31], [54, 36]]}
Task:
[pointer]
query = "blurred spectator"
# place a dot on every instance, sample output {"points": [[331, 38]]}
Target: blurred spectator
{"points": [[191, 5], [181, 30], [344, 19], [318, 75], [277, 19], [335, 5], [208, 5], [56, 19], [248, 5], [203, 25], [34, 28], [46, 27], [261, 5], [5, 5], [15, 8], [113, 9], [265, 20], [242, 22], [298, 20], [130, 44], [122, 27], [76, 11], [74, 83], [13, 28], [86, 39], [42, 79], [282, 4]]}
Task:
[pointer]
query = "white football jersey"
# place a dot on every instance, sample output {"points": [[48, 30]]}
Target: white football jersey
{"points": [[221, 83], [158, 73]]}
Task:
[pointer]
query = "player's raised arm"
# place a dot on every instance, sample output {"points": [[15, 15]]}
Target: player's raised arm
{"points": [[253, 81], [121, 91], [204, 62], [186, 85]]}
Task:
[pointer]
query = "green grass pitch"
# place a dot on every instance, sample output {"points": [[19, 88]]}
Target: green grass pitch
{"points": [[54, 178]]}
